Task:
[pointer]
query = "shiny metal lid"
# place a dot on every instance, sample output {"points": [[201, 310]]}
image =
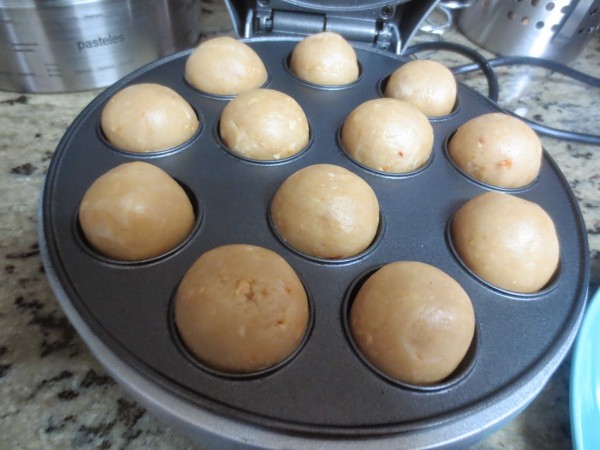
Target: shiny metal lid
{"points": [[387, 25]]}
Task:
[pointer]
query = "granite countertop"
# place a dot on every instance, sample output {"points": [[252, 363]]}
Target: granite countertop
{"points": [[55, 395]]}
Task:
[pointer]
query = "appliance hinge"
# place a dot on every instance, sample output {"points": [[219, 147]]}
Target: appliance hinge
{"points": [[269, 22]]}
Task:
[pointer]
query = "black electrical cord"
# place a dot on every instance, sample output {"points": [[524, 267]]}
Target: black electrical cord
{"points": [[540, 62], [486, 66], [480, 61]]}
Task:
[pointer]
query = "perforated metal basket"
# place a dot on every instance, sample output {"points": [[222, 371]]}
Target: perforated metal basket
{"points": [[556, 30]]}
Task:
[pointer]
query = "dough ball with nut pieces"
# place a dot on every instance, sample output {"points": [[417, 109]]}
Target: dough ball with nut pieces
{"points": [[264, 124], [497, 149], [388, 135], [508, 241], [241, 308], [428, 85], [413, 322], [225, 66], [325, 58], [326, 211], [148, 117], [135, 211]]}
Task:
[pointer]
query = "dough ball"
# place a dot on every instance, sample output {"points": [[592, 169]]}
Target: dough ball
{"points": [[413, 322], [135, 211], [225, 66], [264, 124], [241, 308], [325, 58], [326, 211], [388, 135], [508, 241], [497, 149], [148, 117], [428, 85]]}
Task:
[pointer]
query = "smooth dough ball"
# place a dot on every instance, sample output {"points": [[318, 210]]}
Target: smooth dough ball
{"points": [[241, 308], [264, 124], [497, 149], [325, 58], [413, 322], [388, 135], [428, 85], [225, 66], [509, 242], [148, 117], [326, 211], [134, 212]]}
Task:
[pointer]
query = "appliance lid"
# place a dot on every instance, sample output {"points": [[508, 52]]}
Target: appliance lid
{"points": [[387, 25]]}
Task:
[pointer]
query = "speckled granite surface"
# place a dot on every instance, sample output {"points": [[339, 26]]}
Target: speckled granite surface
{"points": [[55, 395]]}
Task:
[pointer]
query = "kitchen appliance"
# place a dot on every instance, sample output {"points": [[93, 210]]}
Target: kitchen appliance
{"points": [[71, 45], [552, 29], [326, 396], [387, 25]]}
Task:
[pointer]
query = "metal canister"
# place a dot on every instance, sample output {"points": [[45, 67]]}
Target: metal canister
{"points": [[556, 29], [60, 45]]}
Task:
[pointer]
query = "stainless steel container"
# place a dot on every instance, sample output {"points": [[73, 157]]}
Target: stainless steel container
{"points": [[556, 30], [71, 45]]}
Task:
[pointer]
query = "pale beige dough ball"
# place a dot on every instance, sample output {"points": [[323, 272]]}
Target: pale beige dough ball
{"points": [[264, 124], [497, 149], [508, 241], [428, 85], [388, 135], [241, 308], [135, 211], [148, 117], [325, 58], [225, 66], [326, 211], [413, 322]]}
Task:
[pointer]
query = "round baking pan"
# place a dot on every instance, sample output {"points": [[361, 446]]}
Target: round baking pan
{"points": [[326, 394]]}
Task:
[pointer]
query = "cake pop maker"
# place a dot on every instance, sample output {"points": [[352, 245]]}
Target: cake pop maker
{"points": [[326, 395]]}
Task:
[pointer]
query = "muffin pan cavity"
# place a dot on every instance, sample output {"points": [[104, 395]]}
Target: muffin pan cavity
{"points": [[484, 185], [223, 98], [325, 87], [238, 376], [457, 376], [412, 173], [266, 162], [101, 136], [79, 236], [382, 84], [324, 390], [334, 261], [548, 287]]}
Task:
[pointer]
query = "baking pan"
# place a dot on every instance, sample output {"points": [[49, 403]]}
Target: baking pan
{"points": [[326, 395]]}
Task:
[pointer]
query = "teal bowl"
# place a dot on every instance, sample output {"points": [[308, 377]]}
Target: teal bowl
{"points": [[585, 380]]}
